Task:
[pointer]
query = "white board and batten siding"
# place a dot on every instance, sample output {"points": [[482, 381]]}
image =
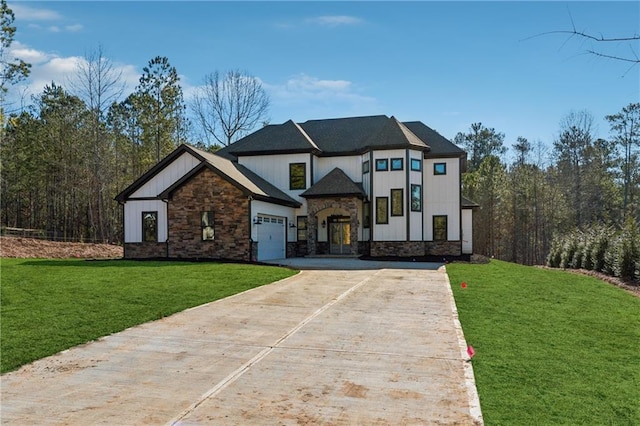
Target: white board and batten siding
{"points": [[350, 165], [383, 183], [441, 197], [133, 210], [275, 169], [415, 217], [467, 231], [167, 177]]}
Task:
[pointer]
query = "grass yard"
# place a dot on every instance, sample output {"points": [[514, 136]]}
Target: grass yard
{"points": [[551, 347], [51, 305]]}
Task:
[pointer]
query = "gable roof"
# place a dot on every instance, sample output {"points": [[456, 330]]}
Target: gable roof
{"points": [[236, 174], [342, 136], [335, 184], [440, 146], [467, 203]]}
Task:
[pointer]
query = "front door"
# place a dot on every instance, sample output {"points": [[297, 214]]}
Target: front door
{"points": [[340, 235]]}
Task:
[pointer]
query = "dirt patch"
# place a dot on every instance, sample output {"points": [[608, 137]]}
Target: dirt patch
{"points": [[33, 248]]}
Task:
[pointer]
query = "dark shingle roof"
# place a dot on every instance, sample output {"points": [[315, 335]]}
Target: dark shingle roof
{"points": [[273, 138], [438, 143], [335, 184], [340, 136]]}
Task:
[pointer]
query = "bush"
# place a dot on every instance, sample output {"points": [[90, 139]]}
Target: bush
{"points": [[599, 248], [627, 252]]}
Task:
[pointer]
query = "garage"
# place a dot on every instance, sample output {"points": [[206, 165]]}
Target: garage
{"points": [[271, 238]]}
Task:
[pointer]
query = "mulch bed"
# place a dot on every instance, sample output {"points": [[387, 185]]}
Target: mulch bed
{"points": [[18, 247]]}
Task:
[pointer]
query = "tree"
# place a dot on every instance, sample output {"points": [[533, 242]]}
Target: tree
{"points": [[12, 69], [571, 148], [98, 84], [229, 106], [625, 127], [161, 108], [480, 142]]}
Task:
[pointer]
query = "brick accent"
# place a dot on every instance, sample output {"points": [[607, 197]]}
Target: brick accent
{"points": [[444, 248], [397, 248], [415, 248], [144, 250], [206, 191]]}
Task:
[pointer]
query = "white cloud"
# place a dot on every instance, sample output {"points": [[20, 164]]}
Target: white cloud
{"points": [[31, 14], [48, 66], [320, 97], [335, 20], [74, 28]]}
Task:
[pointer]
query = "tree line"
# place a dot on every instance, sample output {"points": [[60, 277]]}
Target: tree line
{"points": [[579, 183]]}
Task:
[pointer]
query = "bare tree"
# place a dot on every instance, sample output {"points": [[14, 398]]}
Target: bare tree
{"points": [[229, 106], [99, 84]]}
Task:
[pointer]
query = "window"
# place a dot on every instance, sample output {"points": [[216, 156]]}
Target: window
{"points": [[440, 228], [440, 168], [382, 164], [150, 226], [302, 228], [366, 215], [382, 210], [416, 198], [416, 164], [297, 176], [365, 167], [397, 164], [396, 202], [206, 223]]}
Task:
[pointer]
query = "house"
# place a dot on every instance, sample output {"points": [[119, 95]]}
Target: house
{"points": [[349, 186]]}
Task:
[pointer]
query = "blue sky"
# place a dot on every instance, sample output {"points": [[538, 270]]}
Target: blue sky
{"points": [[447, 64]]}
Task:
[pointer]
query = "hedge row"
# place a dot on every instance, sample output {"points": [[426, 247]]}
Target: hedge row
{"points": [[608, 250]]}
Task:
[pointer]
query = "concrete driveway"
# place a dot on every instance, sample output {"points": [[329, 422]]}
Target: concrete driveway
{"points": [[374, 346]]}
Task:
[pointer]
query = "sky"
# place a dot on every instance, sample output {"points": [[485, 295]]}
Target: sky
{"points": [[447, 64]]}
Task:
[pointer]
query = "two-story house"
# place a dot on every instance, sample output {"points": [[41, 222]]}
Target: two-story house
{"points": [[349, 186]]}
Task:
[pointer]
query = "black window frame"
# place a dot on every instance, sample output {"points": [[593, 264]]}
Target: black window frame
{"points": [[379, 219], [397, 205], [365, 167], [382, 164], [397, 164], [301, 226], [144, 227], [445, 230], [293, 178], [416, 202], [415, 168], [366, 214], [437, 172]]}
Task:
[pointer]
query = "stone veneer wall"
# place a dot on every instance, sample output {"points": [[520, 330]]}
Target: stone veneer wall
{"points": [[207, 191], [297, 249], [444, 248], [415, 248], [145, 250]]}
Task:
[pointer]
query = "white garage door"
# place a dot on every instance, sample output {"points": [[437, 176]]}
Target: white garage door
{"points": [[271, 243]]}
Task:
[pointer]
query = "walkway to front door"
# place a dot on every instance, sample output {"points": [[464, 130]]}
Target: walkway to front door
{"points": [[340, 235]]}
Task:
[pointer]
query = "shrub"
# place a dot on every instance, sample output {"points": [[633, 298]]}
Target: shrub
{"points": [[627, 252], [568, 251], [599, 248]]}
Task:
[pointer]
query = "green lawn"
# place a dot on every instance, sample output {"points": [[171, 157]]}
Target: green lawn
{"points": [[551, 347], [51, 305]]}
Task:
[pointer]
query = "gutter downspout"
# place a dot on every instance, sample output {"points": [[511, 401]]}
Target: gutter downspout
{"points": [[166, 243]]}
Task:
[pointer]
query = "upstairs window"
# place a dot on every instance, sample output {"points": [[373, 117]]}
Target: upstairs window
{"points": [[365, 167], [397, 164], [297, 176], [440, 169], [416, 165], [150, 226], [382, 164]]}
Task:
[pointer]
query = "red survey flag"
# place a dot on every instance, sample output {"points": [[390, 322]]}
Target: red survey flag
{"points": [[470, 351], [463, 285]]}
